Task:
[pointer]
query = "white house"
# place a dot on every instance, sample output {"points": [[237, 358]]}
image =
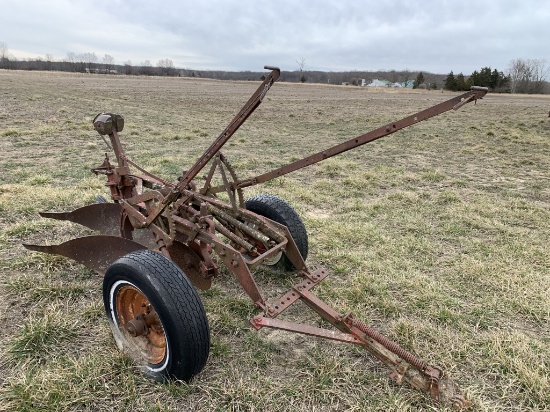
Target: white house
{"points": [[379, 83]]}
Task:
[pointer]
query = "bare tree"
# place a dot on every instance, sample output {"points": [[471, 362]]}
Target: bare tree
{"points": [[4, 60], [167, 66], [108, 61], [301, 68], [539, 72], [89, 58], [71, 57], [48, 58], [128, 69], [145, 67], [519, 74], [528, 76]]}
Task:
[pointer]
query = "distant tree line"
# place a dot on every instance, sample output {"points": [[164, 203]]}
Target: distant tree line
{"points": [[493, 79], [91, 63], [522, 76]]}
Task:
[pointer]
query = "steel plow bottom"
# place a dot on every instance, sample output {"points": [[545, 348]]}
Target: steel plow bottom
{"points": [[95, 252], [103, 217]]}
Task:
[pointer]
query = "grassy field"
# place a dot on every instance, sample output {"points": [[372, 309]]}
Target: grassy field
{"points": [[438, 236]]}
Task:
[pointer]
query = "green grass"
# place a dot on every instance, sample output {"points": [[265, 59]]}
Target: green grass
{"points": [[42, 337], [437, 236]]}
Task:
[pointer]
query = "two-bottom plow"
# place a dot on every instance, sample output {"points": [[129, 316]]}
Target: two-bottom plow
{"points": [[156, 241]]}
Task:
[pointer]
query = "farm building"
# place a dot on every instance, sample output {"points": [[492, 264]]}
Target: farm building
{"points": [[385, 83], [379, 83]]}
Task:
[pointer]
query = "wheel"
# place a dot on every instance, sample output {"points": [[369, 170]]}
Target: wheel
{"points": [[156, 315], [278, 210]]}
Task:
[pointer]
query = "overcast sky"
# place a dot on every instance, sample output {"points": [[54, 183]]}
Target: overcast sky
{"points": [[332, 35]]}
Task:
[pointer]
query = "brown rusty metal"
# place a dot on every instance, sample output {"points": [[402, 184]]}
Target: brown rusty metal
{"points": [[95, 252], [404, 365], [140, 322], [216, 146], [103, 217], [454, 103], [189, 225], [230, 187], [234, 125], [261, 321], [384, 341], [190, 263]]}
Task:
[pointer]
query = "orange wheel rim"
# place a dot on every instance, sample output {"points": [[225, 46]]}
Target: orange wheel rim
{"points": [[131, 302]]}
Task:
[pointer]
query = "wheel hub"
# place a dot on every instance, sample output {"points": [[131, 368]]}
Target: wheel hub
{"points": [[140, 324]]}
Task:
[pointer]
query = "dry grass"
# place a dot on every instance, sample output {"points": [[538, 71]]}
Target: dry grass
{"points": [[437, 235]]}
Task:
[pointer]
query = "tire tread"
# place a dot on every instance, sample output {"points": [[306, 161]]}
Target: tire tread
{"points": [[278, 210], [180, 297]]}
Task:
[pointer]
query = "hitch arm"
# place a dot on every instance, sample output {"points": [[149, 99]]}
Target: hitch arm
{"points": [[404, 365], [454, 103]]}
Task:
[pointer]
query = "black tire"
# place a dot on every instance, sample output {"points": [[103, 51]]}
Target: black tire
{"points": [[180, 316], [278, 210]]}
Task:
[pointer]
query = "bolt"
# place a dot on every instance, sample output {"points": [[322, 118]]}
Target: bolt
{"points": [[136, 327]]}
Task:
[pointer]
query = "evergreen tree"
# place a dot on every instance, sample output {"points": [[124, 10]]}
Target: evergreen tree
{"points": [[450, 82], [460, 82], [498, 80], [486, 77], [475, 79], [419, 80]]}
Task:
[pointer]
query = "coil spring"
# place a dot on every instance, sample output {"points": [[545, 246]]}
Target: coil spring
{"points": [[390, 345]]}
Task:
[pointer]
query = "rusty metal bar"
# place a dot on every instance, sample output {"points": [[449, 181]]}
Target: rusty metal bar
{"points": [[386, 342], [284, 302], [404, 365], [237, 121], [454, 103], [243, 214], [215, 147], [233, 237], [259, 322], [235, 262], [240, 225]]}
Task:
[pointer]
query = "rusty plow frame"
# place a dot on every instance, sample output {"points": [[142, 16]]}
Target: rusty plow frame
{"points": [[187, 222]]}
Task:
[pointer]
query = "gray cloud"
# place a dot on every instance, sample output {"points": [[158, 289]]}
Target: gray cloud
{"points": [[436, 36]]}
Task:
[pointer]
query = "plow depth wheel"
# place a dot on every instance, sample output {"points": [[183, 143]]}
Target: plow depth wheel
{"points": [[278, 210], [156, 315]]}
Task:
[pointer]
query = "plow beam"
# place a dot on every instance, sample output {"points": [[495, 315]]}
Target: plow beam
{"points": [[453, 104]]}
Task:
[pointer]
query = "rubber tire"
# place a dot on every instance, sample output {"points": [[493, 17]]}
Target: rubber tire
{"points": [[278, 210], [177, 304]]}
